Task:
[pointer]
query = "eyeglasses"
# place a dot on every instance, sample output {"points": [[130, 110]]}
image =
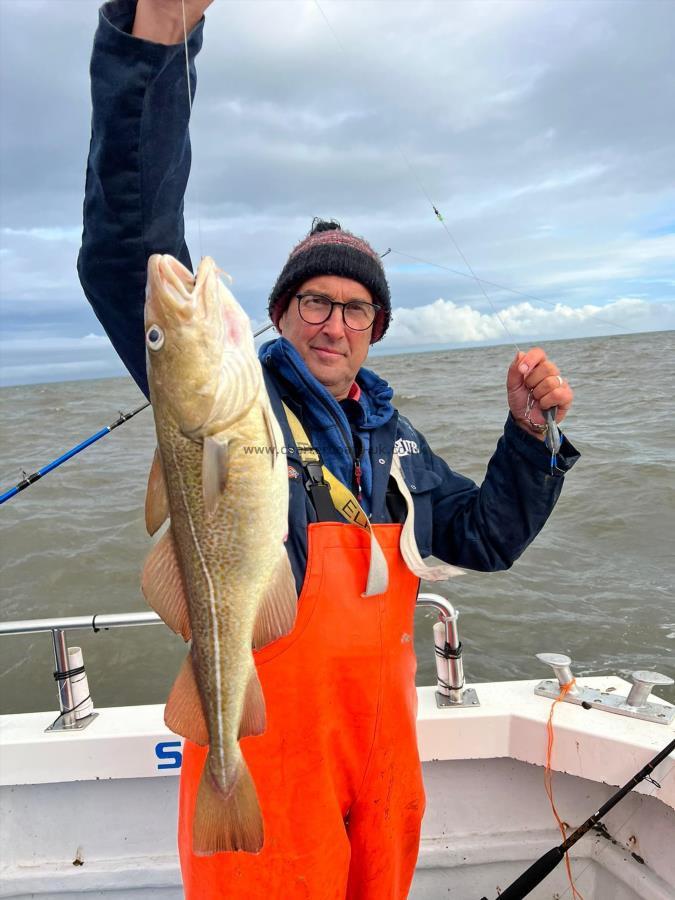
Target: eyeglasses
{"points": [[315, 309]]}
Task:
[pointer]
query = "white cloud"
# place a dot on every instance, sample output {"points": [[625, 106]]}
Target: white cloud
{"points": [[445, 322], [273, 115]]}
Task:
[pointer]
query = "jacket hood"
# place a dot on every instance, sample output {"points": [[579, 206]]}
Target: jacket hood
{"points": [[336, 427], [376, 393]]}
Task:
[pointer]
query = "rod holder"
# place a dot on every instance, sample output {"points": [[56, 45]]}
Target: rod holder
{"points": [[450, 688], [68, 720]]}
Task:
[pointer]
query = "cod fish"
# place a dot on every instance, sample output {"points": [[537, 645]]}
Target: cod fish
{"points": [[220, 575]]}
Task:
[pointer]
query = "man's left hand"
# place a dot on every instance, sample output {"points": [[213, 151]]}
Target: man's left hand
{"points": [[534, 372]]}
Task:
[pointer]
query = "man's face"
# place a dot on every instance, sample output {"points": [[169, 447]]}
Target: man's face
{"points": [[332, 352]]}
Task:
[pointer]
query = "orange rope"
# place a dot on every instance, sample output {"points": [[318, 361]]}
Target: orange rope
{"points": [[548, 782]]}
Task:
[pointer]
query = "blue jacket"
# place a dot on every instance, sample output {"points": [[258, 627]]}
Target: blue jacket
{"points": [[137, 173]]}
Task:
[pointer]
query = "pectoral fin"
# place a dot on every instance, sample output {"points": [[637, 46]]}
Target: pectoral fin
{"points": [[162, 586], [214, 471], [276, 615], [156, 498]]}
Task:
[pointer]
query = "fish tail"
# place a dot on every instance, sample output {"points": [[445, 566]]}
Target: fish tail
{"points": [[227, 817]]}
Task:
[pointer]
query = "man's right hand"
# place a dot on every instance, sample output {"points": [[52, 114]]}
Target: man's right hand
{"points": [[161, 21]]}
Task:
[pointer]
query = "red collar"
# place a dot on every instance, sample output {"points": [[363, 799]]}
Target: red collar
{"points": [[354, 392]]}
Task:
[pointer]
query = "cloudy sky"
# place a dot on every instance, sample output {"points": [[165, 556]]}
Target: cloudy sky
{"points": [[543, 131]]}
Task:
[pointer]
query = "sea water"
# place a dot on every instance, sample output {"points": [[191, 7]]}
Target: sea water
{"points": [[598, 583]]}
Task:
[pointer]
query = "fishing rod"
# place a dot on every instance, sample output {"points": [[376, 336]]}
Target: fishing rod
{"points": [[54, 464], [27, 480], [536, 873]]}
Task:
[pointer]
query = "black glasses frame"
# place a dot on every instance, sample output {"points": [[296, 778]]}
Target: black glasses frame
{"points": [[333, 303]]}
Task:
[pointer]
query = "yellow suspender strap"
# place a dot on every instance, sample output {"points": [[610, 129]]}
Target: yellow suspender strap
{"points": [[346, 504], [343, 500]]}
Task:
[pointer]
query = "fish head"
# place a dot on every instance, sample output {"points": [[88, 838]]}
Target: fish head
{"points": [[200, 354]]}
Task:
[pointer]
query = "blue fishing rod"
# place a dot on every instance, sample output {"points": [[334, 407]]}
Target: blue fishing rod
{"points": [[78, 448], [36, 476]]}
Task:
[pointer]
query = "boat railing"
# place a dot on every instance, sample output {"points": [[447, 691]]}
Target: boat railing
{"points": [[73, 690], [96, 622], [75, 703]]}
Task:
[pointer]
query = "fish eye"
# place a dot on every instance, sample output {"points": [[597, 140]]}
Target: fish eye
{"points": [[154, 337]]}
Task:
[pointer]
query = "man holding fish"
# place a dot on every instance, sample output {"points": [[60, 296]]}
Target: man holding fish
{"points": [[291, 475]]}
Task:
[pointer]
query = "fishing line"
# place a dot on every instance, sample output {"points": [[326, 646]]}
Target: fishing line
{"points": [[481, 282], [189, 91], [551, 429], [510, 290], [466, 262], [425, 193]]}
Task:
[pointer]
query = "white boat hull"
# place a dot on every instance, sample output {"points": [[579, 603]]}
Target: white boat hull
{"points": [[93, 812]]}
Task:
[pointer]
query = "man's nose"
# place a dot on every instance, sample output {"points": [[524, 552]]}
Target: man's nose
{"points": [[335, 324]]}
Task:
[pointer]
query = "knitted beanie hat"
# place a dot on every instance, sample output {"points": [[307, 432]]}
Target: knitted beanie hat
{"points": [[328, 250]]}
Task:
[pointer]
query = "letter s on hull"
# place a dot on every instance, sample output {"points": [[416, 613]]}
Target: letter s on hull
{"points": [[169, 752]]}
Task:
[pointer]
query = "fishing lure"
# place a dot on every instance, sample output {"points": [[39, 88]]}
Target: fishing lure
{"points": [[553, 434], [553, 439]]}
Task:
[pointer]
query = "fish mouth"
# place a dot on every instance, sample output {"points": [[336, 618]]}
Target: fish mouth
{"points": [[172, 288], [168, 293], [171, 277]]}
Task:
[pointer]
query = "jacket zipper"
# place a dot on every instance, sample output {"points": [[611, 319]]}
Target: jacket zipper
{"points": [[357, 479]]}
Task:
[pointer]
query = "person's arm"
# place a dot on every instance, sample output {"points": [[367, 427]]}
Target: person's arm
{"points": [[487, 528], [138, 166]]}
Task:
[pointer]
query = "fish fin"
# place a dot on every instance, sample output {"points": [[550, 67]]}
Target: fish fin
{"points": [[163, 588], [227, 819], [214, 471], [253, 715], [156, 497], [276, 615], [273, 432], [184, 710]]}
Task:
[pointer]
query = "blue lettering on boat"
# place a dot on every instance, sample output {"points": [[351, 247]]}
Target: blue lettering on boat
{"points": [[170, 752]]}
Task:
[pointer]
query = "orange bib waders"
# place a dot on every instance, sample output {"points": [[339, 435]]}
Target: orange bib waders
{"points": [[337, 770]]}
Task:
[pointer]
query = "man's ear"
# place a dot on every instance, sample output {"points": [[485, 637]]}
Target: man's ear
{"points": [[280, 324]]}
